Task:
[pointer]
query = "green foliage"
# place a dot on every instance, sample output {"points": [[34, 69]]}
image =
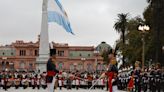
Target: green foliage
{"points": [[121, 24], [121, 27], [105, 57], [132, 48]]}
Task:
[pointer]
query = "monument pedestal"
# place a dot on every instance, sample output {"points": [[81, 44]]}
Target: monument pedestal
{"points": [[41, 63]]}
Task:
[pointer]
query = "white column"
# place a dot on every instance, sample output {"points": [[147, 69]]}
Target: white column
{"points": [[44, 50]]}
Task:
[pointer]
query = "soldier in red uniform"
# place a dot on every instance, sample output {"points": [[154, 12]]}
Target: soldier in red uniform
{"points": [[90, 78], [131, 82], [111, 74]]}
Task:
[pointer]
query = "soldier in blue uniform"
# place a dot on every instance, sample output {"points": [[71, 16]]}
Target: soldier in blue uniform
{"points": [[137, 77], [158, 77], [162, 82], [145, 81], [152, 79], [51, 70]]}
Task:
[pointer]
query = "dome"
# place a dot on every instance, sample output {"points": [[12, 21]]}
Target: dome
{"points": [[103, 46]]}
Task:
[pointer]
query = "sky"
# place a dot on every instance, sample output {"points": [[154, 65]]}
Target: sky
{"points": [[91, 20]]}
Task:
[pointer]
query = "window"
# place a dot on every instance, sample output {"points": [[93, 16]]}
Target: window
{"points": [[3, 65], [80, 55], [12, 53], [89, 67], [30, 52], [89, 55], [30, 66], [79, 67], [3, 53], [22, 65], [36, 53], [60, 66], [22, 53], [71, 54], [61, 53], [98, 66], [71, 67]]}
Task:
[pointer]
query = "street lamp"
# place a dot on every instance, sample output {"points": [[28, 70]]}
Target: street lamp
{"points": [[143, 29]]}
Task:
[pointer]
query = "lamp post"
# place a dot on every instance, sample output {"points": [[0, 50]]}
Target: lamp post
{"points": [[143, 29]]}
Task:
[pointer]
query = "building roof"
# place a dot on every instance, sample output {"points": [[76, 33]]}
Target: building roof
{"points": [[103, 46]]}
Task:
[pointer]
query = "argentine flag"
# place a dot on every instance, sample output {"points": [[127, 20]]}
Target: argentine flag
{"points": [[57, 14]]}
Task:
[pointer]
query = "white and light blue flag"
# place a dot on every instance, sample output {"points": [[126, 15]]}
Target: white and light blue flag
{"points": [[56, 13]]}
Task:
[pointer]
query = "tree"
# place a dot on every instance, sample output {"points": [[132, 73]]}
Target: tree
{"points": [[105, 56], [121, 27], [154, 15]]}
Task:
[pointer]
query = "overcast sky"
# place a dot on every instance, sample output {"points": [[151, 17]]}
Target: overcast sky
{"points": [[91, 20]]}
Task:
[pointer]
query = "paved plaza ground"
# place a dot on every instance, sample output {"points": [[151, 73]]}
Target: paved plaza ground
{"points": [[63, 90]]}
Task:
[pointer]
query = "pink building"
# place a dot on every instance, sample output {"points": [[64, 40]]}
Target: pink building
{"points": [[22, 55]]}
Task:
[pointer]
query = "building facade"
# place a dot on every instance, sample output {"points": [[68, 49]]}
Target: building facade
{"points": [[22, 56]]}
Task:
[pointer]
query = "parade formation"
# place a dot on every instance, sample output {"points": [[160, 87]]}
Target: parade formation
{"points": [[127, 79], [129, 66]]}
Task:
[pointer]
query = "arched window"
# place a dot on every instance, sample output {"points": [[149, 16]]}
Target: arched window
{"points": [[60, 65], [98, 67], [89, 67], [22, 65], [3, 65], [71, 67], [79, 67]]}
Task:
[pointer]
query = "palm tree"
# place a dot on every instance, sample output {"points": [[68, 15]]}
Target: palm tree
{"points": [[121, 26], [149, 1]]}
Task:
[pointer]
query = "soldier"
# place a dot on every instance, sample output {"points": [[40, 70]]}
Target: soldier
{"points": [[0, 79], [162, 82], [17, 83], [158, 77], [77, 80], [69, 81], [152, 79], [3, 82], [112, 73], [137, 77], [145, 81], [60, 80], [89, 78], [43, 80], [33, 82], [25, 83], [51, 73], [77, 83], [131, 82], [38, 81]]}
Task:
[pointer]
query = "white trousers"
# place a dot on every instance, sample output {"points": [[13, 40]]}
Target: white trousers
{"points": [[51, 85]]}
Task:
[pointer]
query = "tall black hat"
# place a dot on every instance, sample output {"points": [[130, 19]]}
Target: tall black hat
{"points": [[52, 52]]}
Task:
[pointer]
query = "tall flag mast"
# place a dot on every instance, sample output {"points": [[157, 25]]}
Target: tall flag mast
{"points": [[52, 11]]}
